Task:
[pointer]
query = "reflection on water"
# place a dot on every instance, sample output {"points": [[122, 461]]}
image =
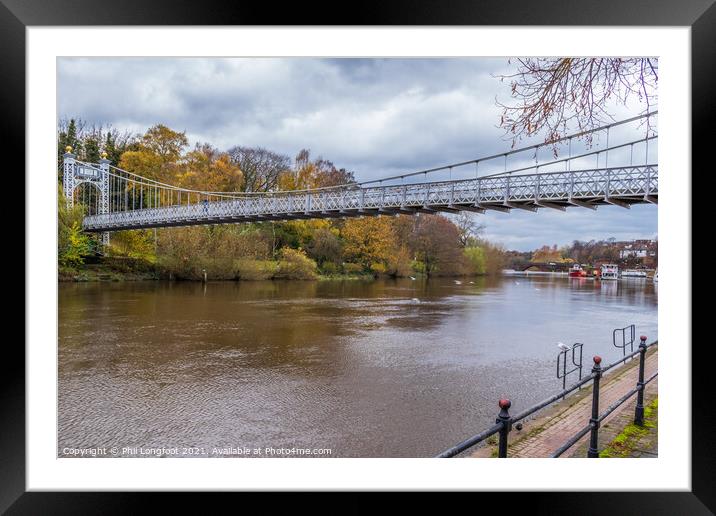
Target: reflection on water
{"points": [[391, 368]]}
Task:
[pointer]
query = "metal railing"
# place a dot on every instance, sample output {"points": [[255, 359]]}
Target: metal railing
{"points": [[504, 422], [621, 186], [628, 336], [576, 365], [117, 199]]}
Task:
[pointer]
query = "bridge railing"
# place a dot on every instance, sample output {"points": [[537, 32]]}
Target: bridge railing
{"points": [[619, 168], [553, 186], [632, 181], [504, 421]]}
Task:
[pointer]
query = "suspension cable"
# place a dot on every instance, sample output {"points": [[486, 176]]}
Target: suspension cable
{"points": [[152, 183]]}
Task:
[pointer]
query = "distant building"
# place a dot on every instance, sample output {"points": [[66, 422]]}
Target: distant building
{"points": [[637, 249]]}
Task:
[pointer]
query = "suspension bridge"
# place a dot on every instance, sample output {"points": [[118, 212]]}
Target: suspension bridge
{"points": [[619, 173]]}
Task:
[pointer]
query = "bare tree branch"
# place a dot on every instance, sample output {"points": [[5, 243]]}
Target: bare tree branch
{"points": [[553, 95]]}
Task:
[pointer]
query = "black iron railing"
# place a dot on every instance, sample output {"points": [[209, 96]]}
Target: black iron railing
{"points": [[576, 362], [504, 422], [628, 336]]}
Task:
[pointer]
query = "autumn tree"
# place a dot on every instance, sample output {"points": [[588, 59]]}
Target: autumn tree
{"points": [[369, 241], [546, 254], [436, 243], [555, 95], [206, 168], [156, 154], [165, 143], [325, 246], [313, 173]]}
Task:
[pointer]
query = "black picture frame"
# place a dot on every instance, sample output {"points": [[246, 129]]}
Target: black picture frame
{"points": [[16, 15]]}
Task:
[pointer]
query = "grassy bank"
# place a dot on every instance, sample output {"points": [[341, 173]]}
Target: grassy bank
{"points": [[135, 269], [632, 436]]}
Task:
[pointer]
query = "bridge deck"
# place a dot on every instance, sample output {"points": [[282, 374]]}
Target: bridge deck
{"points": [[621, 186]]}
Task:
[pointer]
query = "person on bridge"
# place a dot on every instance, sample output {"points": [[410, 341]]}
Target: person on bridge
{"points": [[206, 206]]}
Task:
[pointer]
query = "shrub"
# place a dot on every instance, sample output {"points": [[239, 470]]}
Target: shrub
{"points": [[133, 244], [123, 264], [256, 269], [294, 264], [418, 266], [352, 268], [73, 244], [330, 268], [378, 268]]}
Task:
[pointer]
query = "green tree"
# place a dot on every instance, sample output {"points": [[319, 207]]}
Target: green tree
{"points": [[73, 245], [133, 244], [476, 260], [66, 137], [91, 147]]}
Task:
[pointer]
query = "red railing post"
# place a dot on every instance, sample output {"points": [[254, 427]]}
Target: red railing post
{"points": [[504, 418], [594, 420], [639, 411]]}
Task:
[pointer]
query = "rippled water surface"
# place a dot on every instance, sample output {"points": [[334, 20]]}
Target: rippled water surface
{"points": [[391, 368]]}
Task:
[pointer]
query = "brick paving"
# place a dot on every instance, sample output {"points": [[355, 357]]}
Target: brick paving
{"points": [[543, 436]]}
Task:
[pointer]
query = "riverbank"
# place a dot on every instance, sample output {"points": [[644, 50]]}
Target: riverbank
{"points": [[131, 269], [102, 272]]}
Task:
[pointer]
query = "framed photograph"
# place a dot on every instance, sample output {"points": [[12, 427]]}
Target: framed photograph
{"points": [[268, 253]]}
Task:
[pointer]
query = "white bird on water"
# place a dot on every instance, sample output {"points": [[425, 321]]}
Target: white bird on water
{"points": [[562, 345], [458, 282], [411, 278], [415, 300]]}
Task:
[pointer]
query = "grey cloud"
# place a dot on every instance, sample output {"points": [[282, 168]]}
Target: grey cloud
{"points": [[377, 117], [526, 231]]}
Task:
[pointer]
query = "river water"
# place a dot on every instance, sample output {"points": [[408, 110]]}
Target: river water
{"points": [[389, 368]]}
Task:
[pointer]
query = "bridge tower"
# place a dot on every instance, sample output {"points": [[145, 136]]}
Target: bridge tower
{"points": [[75, 173]]}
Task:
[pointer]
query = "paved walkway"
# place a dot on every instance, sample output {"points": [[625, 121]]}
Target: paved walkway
{"points": [[544, 435], [621, 438]]}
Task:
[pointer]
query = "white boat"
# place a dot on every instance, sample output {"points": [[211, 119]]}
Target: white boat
{"points": [[633, 273], [609, 271]]}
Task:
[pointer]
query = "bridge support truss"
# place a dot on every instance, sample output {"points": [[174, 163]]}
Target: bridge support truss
{"points": [[74, 174]]}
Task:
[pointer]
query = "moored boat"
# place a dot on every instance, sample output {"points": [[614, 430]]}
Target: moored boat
{"points": [[576, 271], [609, 271], [633, 273]]}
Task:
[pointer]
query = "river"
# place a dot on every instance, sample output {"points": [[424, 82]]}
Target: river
{"points": [[388, 368]]}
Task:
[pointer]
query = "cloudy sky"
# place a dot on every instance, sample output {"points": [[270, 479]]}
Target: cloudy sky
{"points": [[376, 117]]}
